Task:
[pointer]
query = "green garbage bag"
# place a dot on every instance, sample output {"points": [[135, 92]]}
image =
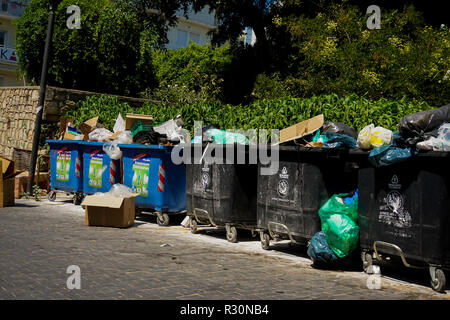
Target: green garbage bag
{"points": [[225, 137], [339, 216]]}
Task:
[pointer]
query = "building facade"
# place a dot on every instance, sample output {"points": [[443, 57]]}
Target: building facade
{"points": [[194, 28], [9, 11]]}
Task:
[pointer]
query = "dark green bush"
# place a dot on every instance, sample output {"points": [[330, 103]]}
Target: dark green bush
{"points": [[191, 74], [337, 53]]}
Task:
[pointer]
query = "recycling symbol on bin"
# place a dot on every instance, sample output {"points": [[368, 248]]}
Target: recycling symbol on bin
{"points": [[283, 188]]}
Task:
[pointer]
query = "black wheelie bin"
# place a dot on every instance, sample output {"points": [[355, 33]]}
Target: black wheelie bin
{"points": [[222, 195], [404, 213], [289, 201]]}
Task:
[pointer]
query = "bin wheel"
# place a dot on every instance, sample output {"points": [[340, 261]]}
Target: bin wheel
{"points": [[231, 234], [164, 221], [367, 261], [193, 226], [51, 196], [438, 284], [265, 240]]}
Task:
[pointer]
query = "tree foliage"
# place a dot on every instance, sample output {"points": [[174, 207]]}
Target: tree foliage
{"points": [[110, 53], [334, 52]]}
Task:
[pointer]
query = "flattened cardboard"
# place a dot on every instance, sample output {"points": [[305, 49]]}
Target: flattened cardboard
{"points": [[103, 201], [63, 124], [108, 211], [6, 183], [7, 167], [131, 119], [114, 135], [301, 129]]}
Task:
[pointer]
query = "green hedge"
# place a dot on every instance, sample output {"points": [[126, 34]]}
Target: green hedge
{"points": [[265, 114]]}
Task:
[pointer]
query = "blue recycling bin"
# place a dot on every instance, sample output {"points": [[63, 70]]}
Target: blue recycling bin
{"points": [[66, 168], [160, 183], [100, 171]]}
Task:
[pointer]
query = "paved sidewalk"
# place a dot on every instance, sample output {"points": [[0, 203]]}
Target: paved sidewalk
{"points": [[39, 240]]}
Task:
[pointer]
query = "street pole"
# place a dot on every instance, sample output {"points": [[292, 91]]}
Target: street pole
{"points": [[42, 90]]}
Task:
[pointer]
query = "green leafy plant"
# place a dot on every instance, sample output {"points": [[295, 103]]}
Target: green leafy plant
{"points": [[353, 110], [36, 192]]}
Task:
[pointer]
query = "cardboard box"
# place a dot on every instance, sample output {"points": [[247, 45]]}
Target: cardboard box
{"points": [[72, 133], [301, 129], [131, 119], [109, 211], [7, 174], [69, 132], [21, 182]]}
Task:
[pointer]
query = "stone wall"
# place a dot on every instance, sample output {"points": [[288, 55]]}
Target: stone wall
{"points": [[18, 113]]}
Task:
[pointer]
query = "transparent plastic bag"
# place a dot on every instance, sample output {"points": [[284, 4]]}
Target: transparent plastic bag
{"points": [[363, 140], [440, 143], [112, 148], [99, 134], [118, 190], [119, 125]]}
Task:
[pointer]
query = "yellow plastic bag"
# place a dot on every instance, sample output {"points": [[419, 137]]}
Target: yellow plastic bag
{"points": [[371, 136], [380, 137]]}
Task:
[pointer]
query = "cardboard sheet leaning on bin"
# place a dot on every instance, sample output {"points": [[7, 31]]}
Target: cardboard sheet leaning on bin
{"points": [[7, 174], [301, 129]]}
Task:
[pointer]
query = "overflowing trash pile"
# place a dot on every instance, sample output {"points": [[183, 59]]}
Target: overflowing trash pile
{"points": [[425, 130], [135, 129]]}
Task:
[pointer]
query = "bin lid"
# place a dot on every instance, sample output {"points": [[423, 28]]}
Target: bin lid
{"points": [[145, 146], [62, 141]]}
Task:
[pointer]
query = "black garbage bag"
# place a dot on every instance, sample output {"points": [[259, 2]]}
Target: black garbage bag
{"points": [[421, 126], [149, 137], [338, 127]]}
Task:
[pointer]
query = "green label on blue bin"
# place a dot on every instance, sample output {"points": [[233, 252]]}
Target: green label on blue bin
{"points": [[63, 166], [141, 170], [96, 170]]}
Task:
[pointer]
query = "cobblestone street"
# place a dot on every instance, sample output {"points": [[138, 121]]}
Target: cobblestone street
{"points": [[39, 240]]}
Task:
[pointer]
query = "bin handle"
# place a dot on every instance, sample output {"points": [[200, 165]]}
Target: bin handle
{"points": [[280, 225], [205, 212], [396, 248]]}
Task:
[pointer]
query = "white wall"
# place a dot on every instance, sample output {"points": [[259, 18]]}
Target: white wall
{"points": [[195, 29], [5, 25]]}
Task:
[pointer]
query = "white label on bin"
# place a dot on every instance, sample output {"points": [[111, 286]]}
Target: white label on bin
{"points": [[393, 212], [283, 188], [96, 169], [63, 160], [141, 170]]}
